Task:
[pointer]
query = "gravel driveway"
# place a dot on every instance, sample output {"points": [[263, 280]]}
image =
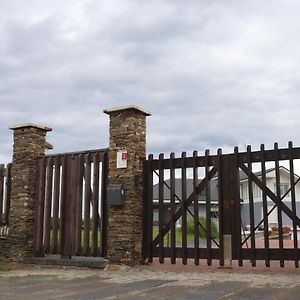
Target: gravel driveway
{"points": [[144, 283]]}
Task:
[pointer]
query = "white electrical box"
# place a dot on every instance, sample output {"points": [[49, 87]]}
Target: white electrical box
{"points": [[122, 159]]}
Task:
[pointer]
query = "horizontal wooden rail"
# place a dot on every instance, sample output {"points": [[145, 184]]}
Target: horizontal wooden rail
{"points": [[202, 161]]}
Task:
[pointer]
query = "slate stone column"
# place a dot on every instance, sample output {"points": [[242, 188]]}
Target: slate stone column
{"points": [[128, 133], [29, 144]]}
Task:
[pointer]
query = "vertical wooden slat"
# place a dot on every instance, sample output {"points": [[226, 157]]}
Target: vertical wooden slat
{"points": [[48, 204], [68, 208], [226, 204], [161, 208], [36, 211], [172, 209], [237, 230], [279, 209], [147, 209], [63, 209], [71, 204], [237, 220], [74, 205], [95, 210], [196, 209], [79, 189], [87, 195], [39, 216], [150, 210], [234, 196], [265, 206], [208, 209], [293, 200], [251, 209], [104, 217], [7, 193], [221, 239], [1, 194], [41, 206], [72, 200], [146, 240], [184, 209], [55, 225]]}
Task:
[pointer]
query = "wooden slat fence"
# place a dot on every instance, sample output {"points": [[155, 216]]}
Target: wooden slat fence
{"points": [[284, 205], [180, 190], [172, 196], [71, 205]]}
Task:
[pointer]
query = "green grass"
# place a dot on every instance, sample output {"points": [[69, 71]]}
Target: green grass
{"points": [[82, 235], [190, 231], [4, 264], [178, 237], [202, 228]]}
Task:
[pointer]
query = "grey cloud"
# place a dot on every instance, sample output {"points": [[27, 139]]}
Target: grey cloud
{"points": [[214, 73]]}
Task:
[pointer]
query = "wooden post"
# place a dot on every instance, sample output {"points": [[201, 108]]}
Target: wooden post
{"points": [[226, 211]]}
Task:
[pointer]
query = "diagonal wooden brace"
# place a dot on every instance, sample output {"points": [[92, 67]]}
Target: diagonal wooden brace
{"points": [[186, 203], [271, 195]]}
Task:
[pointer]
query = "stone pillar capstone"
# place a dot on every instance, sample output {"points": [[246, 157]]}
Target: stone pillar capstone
{"points": [[29, 144], [127, 131]]}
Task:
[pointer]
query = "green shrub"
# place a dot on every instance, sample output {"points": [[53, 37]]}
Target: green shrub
{"points": [[4, 264], [202, 232]]}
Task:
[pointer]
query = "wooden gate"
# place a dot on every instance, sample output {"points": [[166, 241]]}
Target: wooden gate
{"points": [[277, 186], [219, 207], [166, 226], [71, 205]]}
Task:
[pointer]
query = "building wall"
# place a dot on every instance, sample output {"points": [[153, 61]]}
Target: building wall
{"points": [[257, 199], [190, 214], [258, 213], [271, 179]]}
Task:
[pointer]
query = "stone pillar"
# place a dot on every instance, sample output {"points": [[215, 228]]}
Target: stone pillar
{"points": [[128, 133], [29, 144]]}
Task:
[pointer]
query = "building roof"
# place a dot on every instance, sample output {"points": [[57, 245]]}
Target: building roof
{"points": [[244, 176], [190, 186], [189, 189]]}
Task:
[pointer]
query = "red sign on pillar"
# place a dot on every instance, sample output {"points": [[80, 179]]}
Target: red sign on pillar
{"points": [[122, 159], [124, 155]]}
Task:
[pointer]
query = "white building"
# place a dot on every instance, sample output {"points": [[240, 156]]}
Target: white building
{"points": [[258, 200], [244, 195]]}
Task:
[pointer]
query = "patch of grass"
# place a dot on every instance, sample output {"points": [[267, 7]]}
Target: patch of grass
{"points": [[5, 264], [202, 228], [190, 231], [82, 235], [190, 237]]}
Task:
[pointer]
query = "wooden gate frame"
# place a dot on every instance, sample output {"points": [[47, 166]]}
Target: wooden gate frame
{"points": [[228, 167], [149, 250], [68, 187], [263, 156]]}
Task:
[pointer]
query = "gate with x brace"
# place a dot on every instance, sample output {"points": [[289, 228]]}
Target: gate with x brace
{"points": [[222, 207]]}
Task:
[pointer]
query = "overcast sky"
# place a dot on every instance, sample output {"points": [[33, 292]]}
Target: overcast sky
{"points": [[213, 73]]}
